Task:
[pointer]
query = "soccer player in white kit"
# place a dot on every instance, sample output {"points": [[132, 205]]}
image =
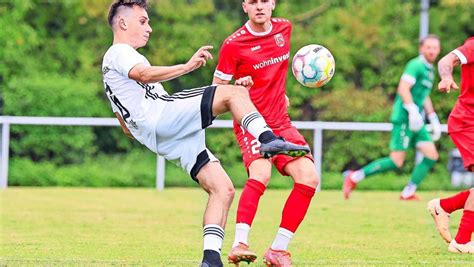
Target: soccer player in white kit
{"points": [[173, 125]]}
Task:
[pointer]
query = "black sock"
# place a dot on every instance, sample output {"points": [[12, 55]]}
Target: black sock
{"points": [[213, 258], [266, 137]]}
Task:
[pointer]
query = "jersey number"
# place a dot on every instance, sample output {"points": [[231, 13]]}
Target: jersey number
{"points": [[123, 111]]}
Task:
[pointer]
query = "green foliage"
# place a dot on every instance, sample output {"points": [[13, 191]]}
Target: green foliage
{"points": [[52, 51]]}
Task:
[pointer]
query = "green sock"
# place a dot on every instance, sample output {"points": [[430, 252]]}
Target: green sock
{"points": [[421, 170], [380, 165]]}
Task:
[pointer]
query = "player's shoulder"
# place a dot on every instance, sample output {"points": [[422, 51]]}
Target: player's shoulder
{"points": [[415, 62], [281, 21], [469, 41], [120, 50], [237, 36]]}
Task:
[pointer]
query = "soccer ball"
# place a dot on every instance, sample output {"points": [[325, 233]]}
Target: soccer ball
{"points": [[313, 65]]}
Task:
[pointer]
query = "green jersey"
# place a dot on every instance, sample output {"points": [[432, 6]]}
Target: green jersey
{"points": [[419, 73]]}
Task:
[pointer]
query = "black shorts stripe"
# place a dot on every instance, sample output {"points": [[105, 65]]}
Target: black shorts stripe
{"points": [[202, 159], [206, 106], [181, 95]]}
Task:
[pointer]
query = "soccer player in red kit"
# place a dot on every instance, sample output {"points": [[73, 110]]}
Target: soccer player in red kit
{"points": [[461, 130], [260, 50]]}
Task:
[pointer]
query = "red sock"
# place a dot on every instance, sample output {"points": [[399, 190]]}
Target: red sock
{"points": [[296, 206], [466, 227], [248, 202], [455, 202]]}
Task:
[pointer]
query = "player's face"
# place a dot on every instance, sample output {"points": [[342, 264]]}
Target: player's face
{"points": [[430, 49], [138, 27], [259, 11]]}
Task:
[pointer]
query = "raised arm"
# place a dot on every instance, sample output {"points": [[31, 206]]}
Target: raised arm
{"points": [[151, 74], [445, 69]]}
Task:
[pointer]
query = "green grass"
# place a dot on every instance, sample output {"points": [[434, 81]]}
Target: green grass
{"points": [[77, 226]]}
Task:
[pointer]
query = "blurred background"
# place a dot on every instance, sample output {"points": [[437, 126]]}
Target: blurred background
{"points": [[51, 54]]}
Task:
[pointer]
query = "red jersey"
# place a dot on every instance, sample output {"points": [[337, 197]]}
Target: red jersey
{"points": [[263, 56], [463, 111]]}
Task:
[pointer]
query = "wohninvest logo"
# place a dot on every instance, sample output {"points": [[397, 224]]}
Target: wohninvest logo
{"points": [[271, 61]]}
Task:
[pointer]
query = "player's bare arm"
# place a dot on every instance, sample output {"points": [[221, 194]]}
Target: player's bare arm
{"points": [[124, 127], [428, 106], [445, 69], [404, 90], [246, 81], [152, 74], [216, 80]]}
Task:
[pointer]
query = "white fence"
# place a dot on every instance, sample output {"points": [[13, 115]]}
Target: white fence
{"points": [[316, 126]]}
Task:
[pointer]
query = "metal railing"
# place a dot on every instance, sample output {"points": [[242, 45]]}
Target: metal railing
{"points": [[316, 126]]}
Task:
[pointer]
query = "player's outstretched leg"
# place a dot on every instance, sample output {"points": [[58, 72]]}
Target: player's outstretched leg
{"points": [[441, 218], [237, 100], [280, 146], [349, 185], [351, 178]]}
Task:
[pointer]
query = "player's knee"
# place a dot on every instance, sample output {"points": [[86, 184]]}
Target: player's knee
{"points": [[306, 177], [240, 93], [227, 192], [398, 162], [261, 177]]}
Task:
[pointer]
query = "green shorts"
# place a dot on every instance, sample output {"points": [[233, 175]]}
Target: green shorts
{"points": [[402, 138]]}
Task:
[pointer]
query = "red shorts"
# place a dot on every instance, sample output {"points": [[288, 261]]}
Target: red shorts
{"points": [[464, 141], [461, 130], [250, 147]]}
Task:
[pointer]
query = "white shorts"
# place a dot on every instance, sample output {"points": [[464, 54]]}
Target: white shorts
{"points": [[180, 134]]}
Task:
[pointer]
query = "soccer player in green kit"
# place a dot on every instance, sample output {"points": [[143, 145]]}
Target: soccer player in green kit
{"points": [[409, 129]]}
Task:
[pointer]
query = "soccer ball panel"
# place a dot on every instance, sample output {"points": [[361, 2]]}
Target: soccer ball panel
{"points": [[313, 66]]}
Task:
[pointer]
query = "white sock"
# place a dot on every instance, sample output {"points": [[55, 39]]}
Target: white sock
{"points": [[282, 239], [241, 234], [357, 176], [254, 124], [213, 237], [409, 190]]}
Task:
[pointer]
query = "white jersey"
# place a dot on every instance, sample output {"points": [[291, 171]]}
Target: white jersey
{"points": [[137, 103]]}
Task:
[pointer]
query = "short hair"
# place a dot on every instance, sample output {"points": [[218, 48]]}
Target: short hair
{"points": [[126, 3], [429, 36]]}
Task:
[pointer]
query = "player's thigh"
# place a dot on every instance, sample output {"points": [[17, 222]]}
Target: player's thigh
{"points": [[290, 134], [423, 142], [428, 149], [464, 141], [303, 171], [186, 112], [189, 152], [213, 179], [400, 137]]}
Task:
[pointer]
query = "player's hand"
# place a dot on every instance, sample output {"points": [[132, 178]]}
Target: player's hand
{"points": [[435, 126], [445, 85], [287, 101], [246, 82], [415, 120], [199, 58]]}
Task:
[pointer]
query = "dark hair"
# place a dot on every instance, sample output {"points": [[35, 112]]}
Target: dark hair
{"points": [[127, 3], [429, 36]]}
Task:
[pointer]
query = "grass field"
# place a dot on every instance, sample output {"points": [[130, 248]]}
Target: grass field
{"points": [[70, 226]]}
